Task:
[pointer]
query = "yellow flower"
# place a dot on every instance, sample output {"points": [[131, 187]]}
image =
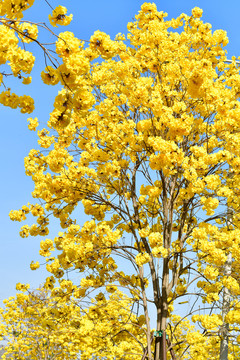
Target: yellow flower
{"points": [[197, 12], [34, 266], [142, 258], [22, 287], [33, 123], [28, 32], [27, 80], [50, 76], [59, 17]]}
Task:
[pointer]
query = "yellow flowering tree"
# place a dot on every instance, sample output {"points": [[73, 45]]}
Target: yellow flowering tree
{"points": [[141, 138], [44, 325]]}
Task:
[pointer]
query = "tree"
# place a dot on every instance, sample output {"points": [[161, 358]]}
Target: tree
{"points": [[43, 325], [142, 140]]}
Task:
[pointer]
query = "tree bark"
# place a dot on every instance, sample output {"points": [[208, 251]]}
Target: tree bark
{"points": [[225, 310]]}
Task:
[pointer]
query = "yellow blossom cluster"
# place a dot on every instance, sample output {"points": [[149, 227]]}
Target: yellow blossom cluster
{"points": [[25, 102], [27, 32], [59, 17], [33, 123], [142, 259], [208, 321], [13, 9]]}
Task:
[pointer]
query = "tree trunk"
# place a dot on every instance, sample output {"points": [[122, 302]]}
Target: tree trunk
{"points": [[157, 338], [225, 310], [160, 342], [226, 294]]}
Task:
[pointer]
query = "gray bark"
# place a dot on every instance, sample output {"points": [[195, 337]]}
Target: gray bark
{"points": [[225, 309]]}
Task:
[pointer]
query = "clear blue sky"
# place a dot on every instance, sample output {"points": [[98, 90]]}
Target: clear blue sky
{"points": [[16, 141]]}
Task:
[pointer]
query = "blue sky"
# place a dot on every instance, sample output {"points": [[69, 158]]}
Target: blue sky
{"points": [[16, 140]]}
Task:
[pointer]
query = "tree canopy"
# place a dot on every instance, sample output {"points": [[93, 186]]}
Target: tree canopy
{"points": [[144, 138]]}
